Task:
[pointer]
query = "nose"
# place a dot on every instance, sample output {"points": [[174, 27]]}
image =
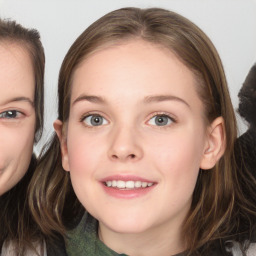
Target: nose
{"points": [[125, 145]]}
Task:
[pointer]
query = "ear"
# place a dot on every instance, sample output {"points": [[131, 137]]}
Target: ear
{"points": [[60, 131], [215, 144]]}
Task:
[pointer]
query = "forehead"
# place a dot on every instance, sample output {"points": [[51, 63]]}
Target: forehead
{"points": [[135, 67], [16, 71]]}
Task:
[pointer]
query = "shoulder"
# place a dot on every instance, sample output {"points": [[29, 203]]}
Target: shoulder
{"points": [[236, 249], [9, 249]]}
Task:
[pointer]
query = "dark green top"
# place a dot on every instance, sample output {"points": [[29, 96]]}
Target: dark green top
{"points": [[84, 241]]}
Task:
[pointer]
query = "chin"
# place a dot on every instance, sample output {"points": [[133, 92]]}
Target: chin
{"points": [[125, 224]]}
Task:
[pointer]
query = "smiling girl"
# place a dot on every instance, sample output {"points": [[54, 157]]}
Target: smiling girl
{"points": [[21, 123], [144, 120]]}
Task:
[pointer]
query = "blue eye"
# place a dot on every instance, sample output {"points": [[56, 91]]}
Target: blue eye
{"points": [[160, 120], [94, 120], [10, 114]]}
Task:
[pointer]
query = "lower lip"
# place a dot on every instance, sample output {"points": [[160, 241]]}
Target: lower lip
{"points": [[127, 193]]}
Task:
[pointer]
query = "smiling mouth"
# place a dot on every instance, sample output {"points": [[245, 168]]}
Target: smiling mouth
{"points": [[130, 184]]}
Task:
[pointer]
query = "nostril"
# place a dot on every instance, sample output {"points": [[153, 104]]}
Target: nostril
{"points": [[131, 156]]}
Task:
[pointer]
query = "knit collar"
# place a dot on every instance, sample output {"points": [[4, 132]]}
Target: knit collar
{"points": [[84, 241]]}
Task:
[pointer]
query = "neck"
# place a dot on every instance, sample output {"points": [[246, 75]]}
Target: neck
{"points": [[164, 241]]}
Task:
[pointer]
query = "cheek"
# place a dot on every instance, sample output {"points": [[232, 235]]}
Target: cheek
{"points": [[17, 142], [178, 162], [26, 137], [15, 154], [178, 155], [84, 156], [84, 153]]}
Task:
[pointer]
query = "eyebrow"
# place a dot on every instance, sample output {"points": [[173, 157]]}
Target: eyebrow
{"points": [[24, 99], [160, 98], [147, 99], [90, 98]]}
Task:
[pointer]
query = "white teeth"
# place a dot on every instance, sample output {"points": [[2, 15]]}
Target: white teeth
{"points": [[137, 184], [144, 184], [128, 184], [120, 184]]}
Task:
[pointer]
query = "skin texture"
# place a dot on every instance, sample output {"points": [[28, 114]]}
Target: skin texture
{"points": [[133, 83], [17, 114]]}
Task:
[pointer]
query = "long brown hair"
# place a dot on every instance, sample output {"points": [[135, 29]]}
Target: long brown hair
{"points": [[16, 222], [212, 214]]}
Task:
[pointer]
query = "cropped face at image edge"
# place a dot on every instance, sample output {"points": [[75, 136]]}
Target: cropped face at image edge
{"points": [[17, 114]]}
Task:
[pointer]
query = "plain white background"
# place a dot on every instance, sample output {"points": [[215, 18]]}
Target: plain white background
{"points": [[231, 25]]}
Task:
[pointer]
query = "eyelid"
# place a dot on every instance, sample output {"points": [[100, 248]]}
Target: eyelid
{"points": [[88, 114], [11, 118], [172, 118], [91, 113]]}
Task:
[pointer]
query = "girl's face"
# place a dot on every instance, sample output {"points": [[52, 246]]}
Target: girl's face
{"points": [[17, 114], [135, 138]]}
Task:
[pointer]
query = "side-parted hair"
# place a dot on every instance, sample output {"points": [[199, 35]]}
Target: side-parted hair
{"points": [[217, 200], [16, 222]]}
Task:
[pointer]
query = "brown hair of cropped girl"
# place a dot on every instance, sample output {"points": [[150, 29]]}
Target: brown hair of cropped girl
{"points": [[22, 45], [217, 202]]}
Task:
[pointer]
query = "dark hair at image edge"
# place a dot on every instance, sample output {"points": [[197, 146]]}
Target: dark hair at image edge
{"points": [[218, 203], [245, 146], [16, 221]]}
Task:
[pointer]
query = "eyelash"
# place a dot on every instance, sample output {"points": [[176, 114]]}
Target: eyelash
{"points": [[170, 120], [82, 119], [4, 114]]}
